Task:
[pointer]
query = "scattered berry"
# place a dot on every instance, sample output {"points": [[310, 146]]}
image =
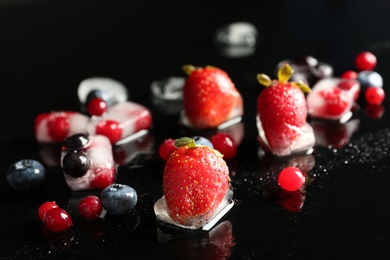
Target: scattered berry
{"points": [[166, 148], [57, 220], [287, 101], [90, 207], [97, 107], [349, 74], [374, 95], [195, 181], [200, 140], [111, 129], [26, 174], [45, 207], [225, 144], [75, 164], [365, 61], [209, 96], [291, 178], [370, 79], [336, 101], [119, 199]]}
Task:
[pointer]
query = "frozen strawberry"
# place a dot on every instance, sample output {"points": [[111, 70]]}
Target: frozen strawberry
{"points": [[195, 182], [282, 110], [210, 97]]}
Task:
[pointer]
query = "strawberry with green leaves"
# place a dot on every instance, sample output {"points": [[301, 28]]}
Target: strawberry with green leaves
{"points": [[195, 181], [282, 110], [210, 97]]}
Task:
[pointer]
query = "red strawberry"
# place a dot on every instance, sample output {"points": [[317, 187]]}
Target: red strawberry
{"points": [[195, 181], [210, 97], [282, 110]]}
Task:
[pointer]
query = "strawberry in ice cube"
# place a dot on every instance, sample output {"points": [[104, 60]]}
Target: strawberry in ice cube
{"points": [[121, 121], [56, 126], [87, 162]]}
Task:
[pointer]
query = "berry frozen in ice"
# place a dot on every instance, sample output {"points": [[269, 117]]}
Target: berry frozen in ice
{"points": [[26, 174], [119, 199], [56, 126], [57, 220], [91, 166], [291, 178], [90, 207]]}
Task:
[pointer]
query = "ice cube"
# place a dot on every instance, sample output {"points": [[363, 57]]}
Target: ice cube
{"points": [[236, 39], [112, 91], [102, 169], [167, 94], [162, 214], [303, 144], [121, 121], [127, 152], [56, 126]]}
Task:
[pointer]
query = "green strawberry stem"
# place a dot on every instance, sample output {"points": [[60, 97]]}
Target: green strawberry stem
{"points": [[188, 68], [183, 141], [285, 73]]}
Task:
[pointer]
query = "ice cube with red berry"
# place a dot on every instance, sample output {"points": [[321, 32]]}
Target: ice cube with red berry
{"points": [[122, 122], [333, 98], [87, 162], [56, 126]]}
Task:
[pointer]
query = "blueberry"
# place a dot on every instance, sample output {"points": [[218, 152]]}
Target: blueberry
{"points": [[98, 93], [75, 164], [119, 199], [200, 140], [76, 142], [370, 79], [26, 175]]}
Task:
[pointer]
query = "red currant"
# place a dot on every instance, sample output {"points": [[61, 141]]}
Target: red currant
{"points": [[349, 74], [365, 61], [336, 101], [90, 207], [166, 148], [374, 95], [225, 144], [111, 129], [291, 178], [97, 107], [45, 207], [58, 126], [57, 220]]}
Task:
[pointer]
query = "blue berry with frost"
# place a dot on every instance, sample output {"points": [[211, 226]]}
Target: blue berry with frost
{"points": [[119, 199], [200, 140], [26, 174]]}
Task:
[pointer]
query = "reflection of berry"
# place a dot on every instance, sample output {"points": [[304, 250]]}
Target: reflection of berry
{"points": [[374, 95], [292, 200], [336, 101], [374, 111], [365, 61], [291, 178]]}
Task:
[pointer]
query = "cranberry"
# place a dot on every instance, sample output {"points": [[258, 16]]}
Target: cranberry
{"points": [[75, 164], [166, 148], [111, 129], [349, 74], [225, 144], [57, 220], [97, 106], [374, 95], [365, 61], [291, 178], [45, 207], [90, 207]]}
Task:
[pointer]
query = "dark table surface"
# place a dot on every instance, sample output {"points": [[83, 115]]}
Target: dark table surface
{"points": [[48, 47]]}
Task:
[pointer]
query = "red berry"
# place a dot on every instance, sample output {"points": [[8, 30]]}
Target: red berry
{"points": [[336, 101], [111, 129], [225, 144], [374, 95], [349, 74], [58, 126], [365, 61], [45, 207], [103, 178], [90, 207], [374, 111], [291, 178], [97, 107], [167, 148], [57, 220]]}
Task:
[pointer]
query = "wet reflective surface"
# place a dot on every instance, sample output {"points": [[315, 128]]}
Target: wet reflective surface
{"points": [[341, 211]]}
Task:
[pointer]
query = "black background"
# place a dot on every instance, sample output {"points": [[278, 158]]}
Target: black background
{"points": [[48, 47]]}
